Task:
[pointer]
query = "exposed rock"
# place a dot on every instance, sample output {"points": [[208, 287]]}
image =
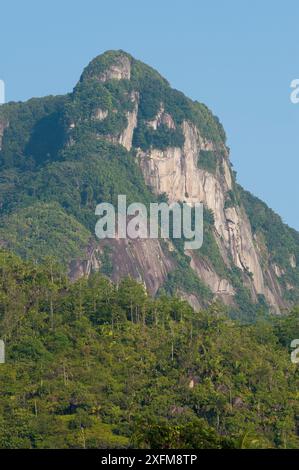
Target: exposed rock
{"points": [[174, 171], [274, 293], [278, 270], [289, 286], [242, 246], [238, 402], [222, 388], [220, 287], [162, 118], [193, 380], [120, 70], [83, 267], [178, 410], [227, 174], [142, 259], [192, 300], [100, 114], [293, 261], [126, 136], [177, 172]]}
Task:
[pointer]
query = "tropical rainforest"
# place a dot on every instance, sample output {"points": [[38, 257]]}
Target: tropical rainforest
{"points": [[94, 365], [98, 362]]}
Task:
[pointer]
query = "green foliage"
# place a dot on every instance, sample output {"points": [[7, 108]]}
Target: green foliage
{"points": [[93, 365], [44, 230], [281, 241], [231, 199], [101, 63], [60, 154], [88, 173], [207, 160], [33, 132], [210, 250], [145, 137], [193, 435], [154, 90], [91, 97], [288, 329], [106, 262], [183, 279], [245, 309]]}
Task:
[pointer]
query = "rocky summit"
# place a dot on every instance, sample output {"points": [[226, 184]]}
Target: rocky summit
{"points": [[124, 130], [138, 343]]}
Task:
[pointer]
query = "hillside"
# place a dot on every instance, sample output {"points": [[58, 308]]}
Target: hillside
{"points": [[124, 130], [94, 365]]}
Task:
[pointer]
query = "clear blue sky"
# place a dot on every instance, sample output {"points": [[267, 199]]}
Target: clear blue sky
{"points": [[236, 56]]}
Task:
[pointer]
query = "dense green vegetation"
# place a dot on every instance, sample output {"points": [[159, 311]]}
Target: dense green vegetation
{"points": [[42, 230], [281, 241], [145, 137], [90, 364], [244, 309], [154, 90], [35, 132], [87, 173], [207, 160], [91, 97], [231, 199], [59, 159]]}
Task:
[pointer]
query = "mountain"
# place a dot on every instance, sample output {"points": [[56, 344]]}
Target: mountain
{"points": [[91, 363], [124, 130]]}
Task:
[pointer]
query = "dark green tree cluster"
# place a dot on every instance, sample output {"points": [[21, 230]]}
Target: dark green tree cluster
{"points": [[95, 365], [281, 241]]}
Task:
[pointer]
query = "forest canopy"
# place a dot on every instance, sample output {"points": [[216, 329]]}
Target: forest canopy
{"points": [[91, 364]]}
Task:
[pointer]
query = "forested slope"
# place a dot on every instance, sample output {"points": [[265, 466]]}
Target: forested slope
{"points": [[91, 364]]}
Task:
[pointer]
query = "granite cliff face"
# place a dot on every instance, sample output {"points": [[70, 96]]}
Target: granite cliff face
{"points": [[126, 136], [179, 149], [177, 172]]}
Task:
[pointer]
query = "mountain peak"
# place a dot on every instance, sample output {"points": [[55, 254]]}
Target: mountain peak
{"points": [[125, 130], [120, 65], [111, 65]]}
